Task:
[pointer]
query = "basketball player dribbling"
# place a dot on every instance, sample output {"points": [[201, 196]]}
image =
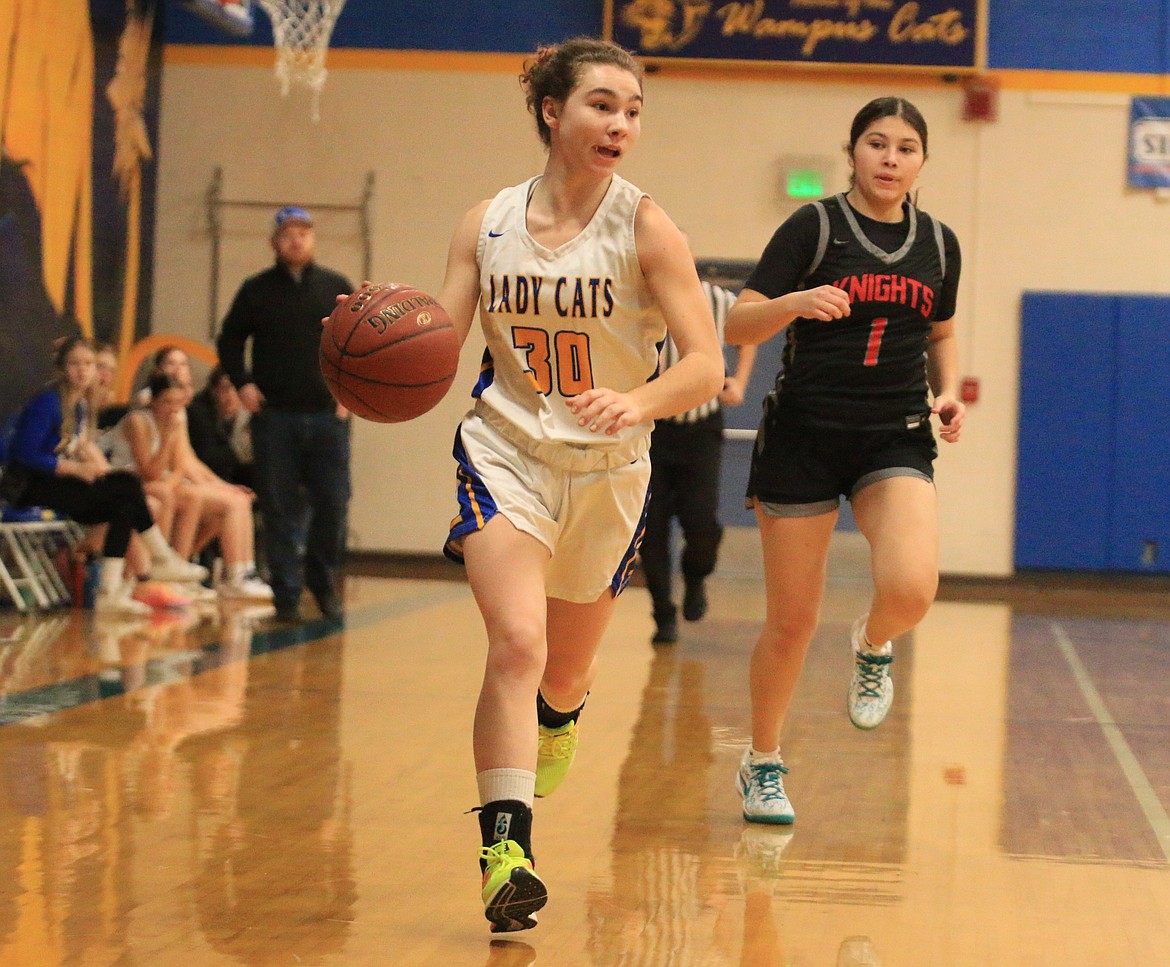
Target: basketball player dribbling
{"points": [[864, 284], [574, 273]]}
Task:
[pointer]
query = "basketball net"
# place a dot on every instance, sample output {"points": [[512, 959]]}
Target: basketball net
{"points": [[301, 30]]}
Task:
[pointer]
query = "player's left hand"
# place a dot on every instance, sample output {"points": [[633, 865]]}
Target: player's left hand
{"points": [[605, 410], [732, 394], [950, 412]]}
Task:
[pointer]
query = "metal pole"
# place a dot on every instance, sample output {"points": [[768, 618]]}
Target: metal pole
{"points": [[216, 203], [367, 227], [216, 225]]}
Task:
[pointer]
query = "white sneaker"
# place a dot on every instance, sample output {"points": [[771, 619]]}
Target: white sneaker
{"points": [[760, 781], [871, 689], [120, 602], [249, 586], [174, 568]]}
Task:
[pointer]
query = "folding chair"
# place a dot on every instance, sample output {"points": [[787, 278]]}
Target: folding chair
{"points": [[28, 550]]}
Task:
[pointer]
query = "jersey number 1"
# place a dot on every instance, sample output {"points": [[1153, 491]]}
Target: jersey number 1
{"points": [[876, 330]]}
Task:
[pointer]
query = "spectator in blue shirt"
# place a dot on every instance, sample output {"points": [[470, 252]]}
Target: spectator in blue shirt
{"points": [[53, 450]]}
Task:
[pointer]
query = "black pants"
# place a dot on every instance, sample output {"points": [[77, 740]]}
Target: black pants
{"points": [[116, 499], [684, 482]]}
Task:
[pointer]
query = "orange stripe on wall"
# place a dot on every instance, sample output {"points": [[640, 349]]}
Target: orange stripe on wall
{"points": [[350, 58]]}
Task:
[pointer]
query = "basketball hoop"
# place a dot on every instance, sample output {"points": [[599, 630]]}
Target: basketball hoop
{"points": [[301, 30]]}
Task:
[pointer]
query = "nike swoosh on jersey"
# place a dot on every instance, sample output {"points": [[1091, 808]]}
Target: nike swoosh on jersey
{"points": [[836, 241], [492, 234]]}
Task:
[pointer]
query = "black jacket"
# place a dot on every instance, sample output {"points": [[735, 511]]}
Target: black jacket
{"points": [[282, 317]]}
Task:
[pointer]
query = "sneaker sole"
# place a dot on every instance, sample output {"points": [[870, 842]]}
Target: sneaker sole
{"points": [[763, 820], [769, 820], [516, 901], [865, 728]]}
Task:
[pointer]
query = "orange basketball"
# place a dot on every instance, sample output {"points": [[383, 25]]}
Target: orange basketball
{"points": [[389, 352]]}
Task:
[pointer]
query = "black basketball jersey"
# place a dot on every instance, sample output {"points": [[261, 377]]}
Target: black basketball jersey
{"points": [[867, 370]]}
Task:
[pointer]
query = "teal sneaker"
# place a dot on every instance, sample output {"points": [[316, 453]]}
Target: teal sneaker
{"points": [[871, 689], [554, 754], [760, 781]]}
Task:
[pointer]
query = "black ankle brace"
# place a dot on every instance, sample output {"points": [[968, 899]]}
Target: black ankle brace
{"points": [[550, 718]]}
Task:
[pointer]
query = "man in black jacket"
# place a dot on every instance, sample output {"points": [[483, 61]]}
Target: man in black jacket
{"points": [[300, 436]]}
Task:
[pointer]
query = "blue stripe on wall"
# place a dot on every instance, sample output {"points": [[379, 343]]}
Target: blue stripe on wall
{"points": [[1115, 36], [461, 25], [1125, 36]]}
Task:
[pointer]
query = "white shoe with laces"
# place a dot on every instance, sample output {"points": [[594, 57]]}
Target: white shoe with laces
{"points": [[249, 586], [760, 781], [871, 689]]}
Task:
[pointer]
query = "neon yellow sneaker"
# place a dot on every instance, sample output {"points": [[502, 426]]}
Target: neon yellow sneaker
{"points": [[512, 892], [554, 755]]}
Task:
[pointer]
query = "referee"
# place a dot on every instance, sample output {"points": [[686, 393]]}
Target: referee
{"points": [[686, 452]]}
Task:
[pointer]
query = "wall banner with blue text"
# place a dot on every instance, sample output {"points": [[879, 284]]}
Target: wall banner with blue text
{"points": [[1149, 142], [928, 34]]}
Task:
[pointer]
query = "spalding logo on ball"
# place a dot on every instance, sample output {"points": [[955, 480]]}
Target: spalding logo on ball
{"points": [[389, 352]]}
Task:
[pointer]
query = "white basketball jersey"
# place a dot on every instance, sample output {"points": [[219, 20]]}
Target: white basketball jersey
{"points": [[559, 322]]}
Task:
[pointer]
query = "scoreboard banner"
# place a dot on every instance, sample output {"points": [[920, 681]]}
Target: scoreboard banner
{"points": [[1149, 142], [927, 34]]}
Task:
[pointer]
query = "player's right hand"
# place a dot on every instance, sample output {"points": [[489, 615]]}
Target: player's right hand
{"points": [[825, 302], [251, 397], [344, 296]]}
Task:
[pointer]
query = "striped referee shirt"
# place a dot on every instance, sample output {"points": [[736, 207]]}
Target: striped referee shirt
{"points": [[721, 300]]}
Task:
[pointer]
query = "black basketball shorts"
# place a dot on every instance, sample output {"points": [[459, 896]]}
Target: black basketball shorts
{"points": [[799, 470]]}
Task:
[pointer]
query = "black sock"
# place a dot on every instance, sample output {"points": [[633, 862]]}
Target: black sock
{"points": [[550, 718], [506, 819]]}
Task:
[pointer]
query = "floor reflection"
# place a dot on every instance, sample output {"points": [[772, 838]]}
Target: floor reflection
{"points": [[665, 894], [190, 736], [216, 789]]}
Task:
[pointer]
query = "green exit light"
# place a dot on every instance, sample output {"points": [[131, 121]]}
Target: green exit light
{"points": [[804, 183]]}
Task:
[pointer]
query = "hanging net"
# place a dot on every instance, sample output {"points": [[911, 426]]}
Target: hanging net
{"points": [[301, 30]]}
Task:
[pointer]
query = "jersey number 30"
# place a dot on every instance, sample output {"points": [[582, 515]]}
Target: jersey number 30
{"points": [[568, 355]]}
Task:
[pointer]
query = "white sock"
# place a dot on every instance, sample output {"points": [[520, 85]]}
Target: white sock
{"points": [[237, 572], [757, 754], [497, 784], [884, 648], [110, 575], [159, 549]]}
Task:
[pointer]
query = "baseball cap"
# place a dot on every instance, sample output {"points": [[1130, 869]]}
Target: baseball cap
{"points": [[291, 213]]}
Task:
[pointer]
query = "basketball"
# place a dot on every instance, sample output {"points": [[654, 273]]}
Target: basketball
{"points": [[389, 352]]}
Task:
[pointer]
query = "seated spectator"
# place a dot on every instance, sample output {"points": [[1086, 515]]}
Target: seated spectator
{"points": [[53, 448], [109, 411], [175, 363], [154, 442], [220, 429]]}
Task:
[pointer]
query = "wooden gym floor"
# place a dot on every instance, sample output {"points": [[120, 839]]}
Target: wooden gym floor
{"points": [[216, 791]]}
